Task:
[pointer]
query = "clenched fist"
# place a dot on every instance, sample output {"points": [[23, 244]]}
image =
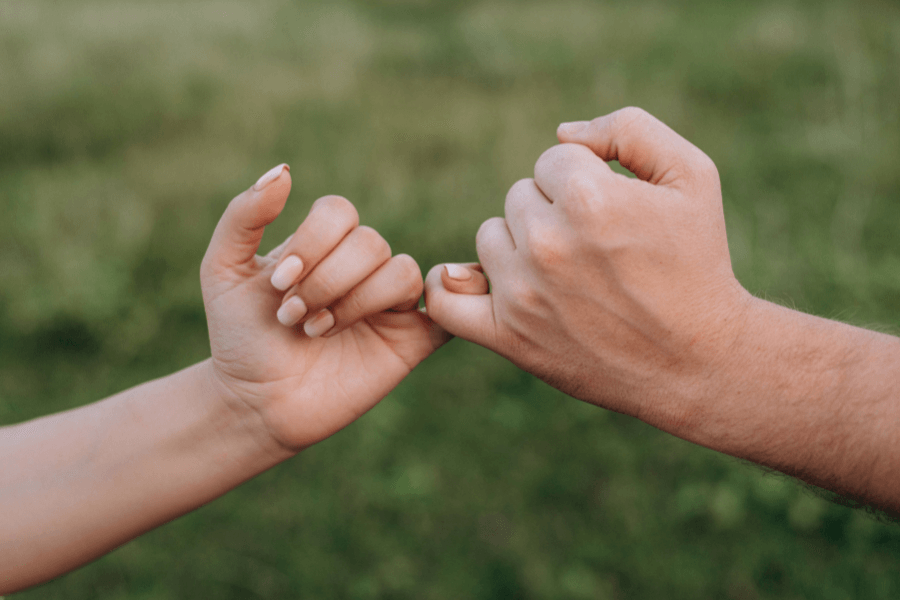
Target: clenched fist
{"points": [[618, 291]]}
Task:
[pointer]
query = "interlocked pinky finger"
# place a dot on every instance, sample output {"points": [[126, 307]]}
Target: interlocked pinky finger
{"points": [[396, 285]]}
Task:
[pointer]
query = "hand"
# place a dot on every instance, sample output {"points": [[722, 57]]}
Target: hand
{"points": [[617, 291], [305, 387]]}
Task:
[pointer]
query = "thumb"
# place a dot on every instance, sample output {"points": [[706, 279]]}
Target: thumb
{"points": [[240, 230], [457, 299], [639, 141]]}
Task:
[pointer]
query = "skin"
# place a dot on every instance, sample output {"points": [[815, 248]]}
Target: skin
{"points": [[77, 484], [617, 291], [620, 292]]}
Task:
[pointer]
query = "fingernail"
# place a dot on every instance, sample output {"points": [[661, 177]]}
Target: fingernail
{"points": [[291, 311], [458, 273], [287, 272], [572, 128], [270, 176], [319, 324]]}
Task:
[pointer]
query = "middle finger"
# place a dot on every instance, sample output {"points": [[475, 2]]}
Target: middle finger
{"points": [[353, 260]]}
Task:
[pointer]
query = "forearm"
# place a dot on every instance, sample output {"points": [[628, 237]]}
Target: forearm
{"points": [[816, 399], [77, 484]]}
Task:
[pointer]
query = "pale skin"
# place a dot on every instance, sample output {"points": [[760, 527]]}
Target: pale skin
{"points": [[77, 484], [617, 291], [620, 292]]}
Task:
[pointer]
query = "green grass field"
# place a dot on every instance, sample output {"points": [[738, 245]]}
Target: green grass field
{"points": [[125, 128]]}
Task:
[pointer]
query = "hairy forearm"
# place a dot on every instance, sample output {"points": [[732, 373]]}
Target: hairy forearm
{"points": [[814, 398], [77, 484]]}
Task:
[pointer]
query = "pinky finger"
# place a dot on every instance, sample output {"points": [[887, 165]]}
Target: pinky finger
{"points": [[395, 285], [466, 278]]}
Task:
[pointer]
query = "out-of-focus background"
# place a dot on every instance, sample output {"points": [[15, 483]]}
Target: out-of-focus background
{"points": [[125, 128]]}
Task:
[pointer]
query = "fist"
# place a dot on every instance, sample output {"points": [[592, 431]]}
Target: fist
{"points": [[616, 290]]}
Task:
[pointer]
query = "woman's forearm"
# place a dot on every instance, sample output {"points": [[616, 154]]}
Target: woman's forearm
{"points": [[77, 484]]}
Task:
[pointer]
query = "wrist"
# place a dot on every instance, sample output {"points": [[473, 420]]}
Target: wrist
{"points": [[716, 360], [241, 424], [786, 395]]}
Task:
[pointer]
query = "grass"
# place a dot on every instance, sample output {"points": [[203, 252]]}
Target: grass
{"points": [[127, 126]]}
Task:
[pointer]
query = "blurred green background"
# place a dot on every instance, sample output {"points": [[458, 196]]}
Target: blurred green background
{"points": [[125, 128]]}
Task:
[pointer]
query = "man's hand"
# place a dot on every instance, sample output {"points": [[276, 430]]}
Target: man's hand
{"points": [[618, 291], [350, 327]]}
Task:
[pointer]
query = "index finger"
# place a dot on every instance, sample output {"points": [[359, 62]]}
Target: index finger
{"points": [[641, 143], [330, 220], [570, 171]]}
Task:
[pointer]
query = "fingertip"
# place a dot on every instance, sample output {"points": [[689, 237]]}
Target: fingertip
{"points": [[239, 231], [456, 273], [270, 176], [291, 311], [265, 200], [571, 130], [464, 279], [287, 272], [466, 313], [319, 324]]}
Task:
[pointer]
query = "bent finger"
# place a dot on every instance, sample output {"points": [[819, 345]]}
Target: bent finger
{"points": [[495, 245], [469, 316], [571, 172], [465, 278], [640, 142], [330, 220], [395, 285], [356, 257]]}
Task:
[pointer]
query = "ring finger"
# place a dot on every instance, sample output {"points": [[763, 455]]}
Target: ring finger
{"points": [[396, 285], [356, 257]]}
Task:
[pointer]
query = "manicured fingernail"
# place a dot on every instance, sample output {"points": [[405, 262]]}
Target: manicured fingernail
{"points": [[572, 128], [319, 324], [291, 311], [270, 176], [287, 272], [458, 273]]}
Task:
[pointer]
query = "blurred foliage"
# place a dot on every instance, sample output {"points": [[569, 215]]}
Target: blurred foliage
{"points": [[125, 127]]}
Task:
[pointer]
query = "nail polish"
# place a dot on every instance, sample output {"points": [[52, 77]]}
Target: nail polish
{"points": [[319, 324], [287, 272], [458, 273], [270, 176], [291, 311]]}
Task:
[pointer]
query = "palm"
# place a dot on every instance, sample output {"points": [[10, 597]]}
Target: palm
{"points": [[306, 389]]}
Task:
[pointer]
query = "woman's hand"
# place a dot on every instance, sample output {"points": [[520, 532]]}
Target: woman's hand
{"points": [[350, 327]]}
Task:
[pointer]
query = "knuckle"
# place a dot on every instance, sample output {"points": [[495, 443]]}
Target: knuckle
{"points": [[516, 191], [700, 170], [631, 115], [339, 207], [581, 190], [630, 121], [546, 247], [485, 231], [410, 276], [707, 167], [408, 267], [319, 289], [546, 158], [372, 241], [550, 158]]}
